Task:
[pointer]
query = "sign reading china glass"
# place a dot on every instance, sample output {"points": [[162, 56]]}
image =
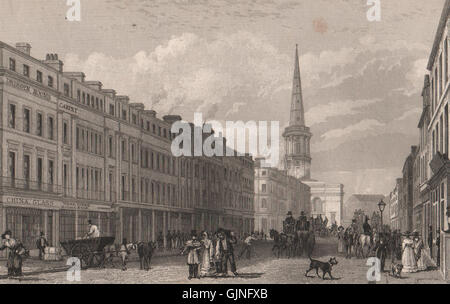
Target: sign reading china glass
{"points": [[11, 201], [27, 88]]}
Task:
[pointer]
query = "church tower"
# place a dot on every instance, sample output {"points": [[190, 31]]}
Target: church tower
{"points": [[297, 160]]}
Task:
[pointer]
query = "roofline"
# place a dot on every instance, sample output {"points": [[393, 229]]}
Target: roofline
{"points": [[439, 32]]}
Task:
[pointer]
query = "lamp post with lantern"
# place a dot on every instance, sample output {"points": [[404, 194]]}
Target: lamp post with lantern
{"points": [[381, 206]]}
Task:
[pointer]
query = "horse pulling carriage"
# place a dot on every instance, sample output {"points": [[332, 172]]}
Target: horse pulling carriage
{"points": [[90, 252], [297, 239]]}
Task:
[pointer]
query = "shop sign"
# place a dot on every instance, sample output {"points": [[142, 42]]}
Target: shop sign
{"points": [[13, 201], [27, 88]]}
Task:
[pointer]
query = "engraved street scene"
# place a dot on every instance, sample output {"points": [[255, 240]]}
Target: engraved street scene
{"points": [[224, 142]]}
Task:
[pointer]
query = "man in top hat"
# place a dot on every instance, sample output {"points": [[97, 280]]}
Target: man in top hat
{"points": [[367, 230], [93, 232], [41, 245], [289, 223], [301, 224]]}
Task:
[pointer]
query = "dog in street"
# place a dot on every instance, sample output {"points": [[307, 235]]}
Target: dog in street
{"points": [[326, 267], [396, 270]]}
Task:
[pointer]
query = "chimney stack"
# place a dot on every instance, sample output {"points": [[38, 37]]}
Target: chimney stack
{"points": [[53, 61], [24, 47]]}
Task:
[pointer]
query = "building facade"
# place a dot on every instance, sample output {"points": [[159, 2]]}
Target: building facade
{"points": [[277, 193], [394, 203], [326, 199], [72, 151], [438, 133], [407, 202]]}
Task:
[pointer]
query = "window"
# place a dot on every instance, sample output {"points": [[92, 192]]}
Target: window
{"points": [[124, 151], [39, 171], [264, 203], [111, 148], [26, 167], [124, 114], [263, 188], [39, 124], [12, 165], [77, 139], [12, 64], [39, 76], [66, 90], [12, 116], [50, 81], [26, 70], [134, 119], [50, 128], [84, 97], [133, 153], [26, 120], [50, 172], [78, 95], [65, 133], [111, 110]]}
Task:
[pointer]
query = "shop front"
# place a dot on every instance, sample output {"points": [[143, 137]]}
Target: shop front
{"points": [[438, 218], [27, 217]]}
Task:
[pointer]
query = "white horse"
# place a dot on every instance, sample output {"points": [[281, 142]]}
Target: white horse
{"points": [[364, 241]]}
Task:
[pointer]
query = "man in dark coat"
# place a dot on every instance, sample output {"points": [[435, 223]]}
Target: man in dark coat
{"points": [[225, 249], [381, 250], [41, 244]]}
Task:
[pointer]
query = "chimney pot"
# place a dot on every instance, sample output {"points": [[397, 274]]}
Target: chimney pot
{"points": [[24, 47]]}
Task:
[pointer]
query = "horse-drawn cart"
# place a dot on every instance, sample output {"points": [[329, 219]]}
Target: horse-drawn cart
{"points": [[89, 251]]}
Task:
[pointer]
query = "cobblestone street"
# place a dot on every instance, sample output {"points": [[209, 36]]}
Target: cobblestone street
{"points": [[263, 268]]}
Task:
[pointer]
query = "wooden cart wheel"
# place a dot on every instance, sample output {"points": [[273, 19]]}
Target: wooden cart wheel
{"points": [[83, 252], [99, 259]]}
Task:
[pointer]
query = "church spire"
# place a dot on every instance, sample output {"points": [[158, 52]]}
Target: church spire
{"points": [[297, 110]]}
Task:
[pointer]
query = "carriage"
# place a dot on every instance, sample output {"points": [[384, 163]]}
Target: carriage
{"points": [[90, 252]]}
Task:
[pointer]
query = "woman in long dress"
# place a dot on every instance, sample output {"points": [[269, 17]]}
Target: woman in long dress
{"points": [[341, 240], [419, 252], [408, 257], [207, 255]]}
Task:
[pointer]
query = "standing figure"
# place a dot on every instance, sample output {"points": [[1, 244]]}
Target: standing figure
{"points": [[16, 251], [247, 248], [160, 240], [438, 249], [341, 239], [381, 247], [169, 240], [192, 247], [225, 252], [408, 258], [419, 252], [207, 255], [123, 253], [41, 244]]}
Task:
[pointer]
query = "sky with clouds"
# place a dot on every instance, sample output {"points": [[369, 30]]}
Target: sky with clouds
{"points": [[233, 60]]}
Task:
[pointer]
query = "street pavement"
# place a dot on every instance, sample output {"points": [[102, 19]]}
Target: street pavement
{"points": [[263, 268]]}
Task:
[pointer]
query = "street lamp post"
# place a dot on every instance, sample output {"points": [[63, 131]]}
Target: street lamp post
{"points": [[381, 206]]}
